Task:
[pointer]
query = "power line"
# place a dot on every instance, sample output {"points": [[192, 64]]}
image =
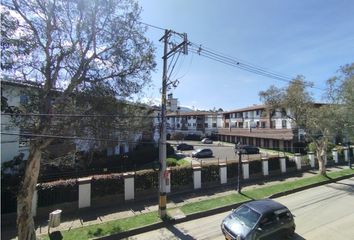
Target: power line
{"points": [[234, 62]]}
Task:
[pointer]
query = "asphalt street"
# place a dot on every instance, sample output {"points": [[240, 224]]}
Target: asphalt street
{"points": [[325, 212]]}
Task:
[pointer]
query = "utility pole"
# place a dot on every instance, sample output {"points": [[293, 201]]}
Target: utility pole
{"points": [[163, 174]]}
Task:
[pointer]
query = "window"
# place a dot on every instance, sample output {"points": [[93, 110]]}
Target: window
{"points": [[263, 124], [189, 124], [178, 126], [266, 143], [272, 124], [24, 99], [246, 124], [257, 112], [283, 123], [206, 125], [189, 117], [214, 125], [194, 124], [194, 117]]}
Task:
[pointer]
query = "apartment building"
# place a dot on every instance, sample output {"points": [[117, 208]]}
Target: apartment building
{"points": [[259, 126], [200, 123], [125, 138]]}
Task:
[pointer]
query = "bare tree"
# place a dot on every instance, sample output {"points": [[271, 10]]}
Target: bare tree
{"points": [[73, 47]]}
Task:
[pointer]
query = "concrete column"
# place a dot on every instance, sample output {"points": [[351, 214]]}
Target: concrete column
{"points": [[197, 177], [223, 173], [245, 170], [298, 161], [312, 159], [35, 202], [168, 180], [265, 166], [346, 154], [335, 155], [84, 192], [129, 186], [282, 164]]}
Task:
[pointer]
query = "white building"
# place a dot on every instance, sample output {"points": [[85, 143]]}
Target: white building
{"points": [[200, 123], [12, 144]]}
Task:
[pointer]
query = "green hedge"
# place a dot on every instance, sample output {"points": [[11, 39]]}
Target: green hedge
{"points": [[232, 170], [290, 164], [107, 184], [146, 179], [181, 176], [57, 192], [210, 173], [273, 164], [255, 167]]}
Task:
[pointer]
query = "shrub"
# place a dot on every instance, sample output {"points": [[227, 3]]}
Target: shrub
{"points": [[192, 137], [232, 170], [57, 192], [181, 176], [171, 162], [273, 164], [210, 173], [146, 179], [107, 184], [290, 164], [255, 167]]}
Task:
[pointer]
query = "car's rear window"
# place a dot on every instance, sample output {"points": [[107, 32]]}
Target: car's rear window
{"points": [[246, 215]]}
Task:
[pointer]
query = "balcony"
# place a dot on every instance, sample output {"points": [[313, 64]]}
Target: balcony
{"points": [[280, 134]]}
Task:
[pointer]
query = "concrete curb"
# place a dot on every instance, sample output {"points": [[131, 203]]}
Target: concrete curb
{"points": [[214, 211]]}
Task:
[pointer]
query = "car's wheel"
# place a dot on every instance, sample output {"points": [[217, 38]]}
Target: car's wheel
{"points": [[289, 233]]}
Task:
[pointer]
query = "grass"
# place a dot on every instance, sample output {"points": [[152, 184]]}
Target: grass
{"points": [[121, 225], [109, 228], [260, 193]]}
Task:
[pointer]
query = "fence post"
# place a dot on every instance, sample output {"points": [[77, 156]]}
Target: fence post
{"points": [[335, 155], [346, 154], [265, 166], [84, 192], [35, 201], [282, 164], [129, 187], [223, 173], [197, 177], [245, 170], [312, 159], [168, 180], [298, 161]]}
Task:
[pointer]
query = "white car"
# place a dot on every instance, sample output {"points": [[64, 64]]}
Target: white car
{"points": [[207, 141]]}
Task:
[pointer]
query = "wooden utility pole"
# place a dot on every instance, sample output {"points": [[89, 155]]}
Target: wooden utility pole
{"points": [[163, 174]]}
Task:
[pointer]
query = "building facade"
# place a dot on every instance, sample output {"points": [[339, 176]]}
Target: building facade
{"points": [[200, 123], [258, 126]]}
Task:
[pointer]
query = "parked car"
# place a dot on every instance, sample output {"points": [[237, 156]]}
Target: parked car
{"points": [[204, 152], [261, 219], [207, 141], [246, 149], [184, 146]]}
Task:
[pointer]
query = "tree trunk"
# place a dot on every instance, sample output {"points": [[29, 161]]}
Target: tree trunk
{"points": [[25, 223], [321, 164]]}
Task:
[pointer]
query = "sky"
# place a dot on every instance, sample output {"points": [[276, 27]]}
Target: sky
{"points": [[312, 38]]}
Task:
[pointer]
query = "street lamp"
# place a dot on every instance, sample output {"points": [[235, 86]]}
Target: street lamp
{"points": [[239, 150]]}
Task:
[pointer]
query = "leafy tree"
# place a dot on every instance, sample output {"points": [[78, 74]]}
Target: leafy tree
{"points": [[75, 51], [316, 119], [341, 91]]}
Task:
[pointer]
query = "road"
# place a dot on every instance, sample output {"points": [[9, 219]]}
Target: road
{"points": [[325, 212]]}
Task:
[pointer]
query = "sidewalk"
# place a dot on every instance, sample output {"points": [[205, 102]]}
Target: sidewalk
{"points": [[99, 215]]}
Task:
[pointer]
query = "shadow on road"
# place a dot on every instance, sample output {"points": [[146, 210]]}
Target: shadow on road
{"points": [[179, 234], [297, 237]]}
